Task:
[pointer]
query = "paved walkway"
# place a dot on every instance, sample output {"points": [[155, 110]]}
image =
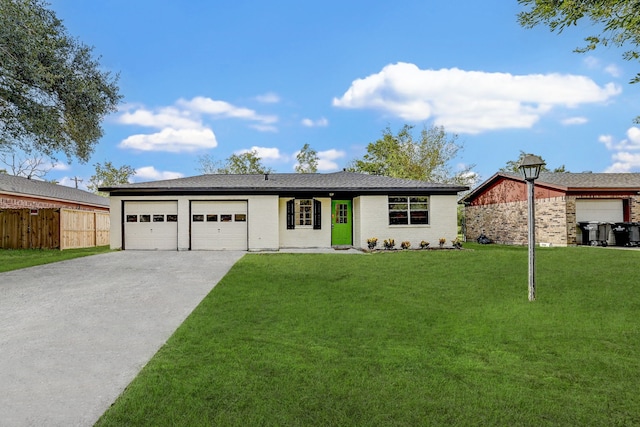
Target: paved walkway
{"points": [[74, 334]]}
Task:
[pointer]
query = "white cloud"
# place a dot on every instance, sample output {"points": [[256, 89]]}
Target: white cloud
{"points": [[149, 173], [265, 153], [321, 122], [613, 70], [326, 159], [470, 101], [264, 128], [624, 162], [574, 121], [181, 127], [204, 105], [172, 140], [591, 62], [626, 156], [268, 98], [163, 118], [60, 167]]}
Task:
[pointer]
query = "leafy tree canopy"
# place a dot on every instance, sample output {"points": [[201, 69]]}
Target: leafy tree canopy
{"points": [[307, 160], [53, 95], [109, 175], [244, 163], [426, 158], [618, 21], [513, 166]]}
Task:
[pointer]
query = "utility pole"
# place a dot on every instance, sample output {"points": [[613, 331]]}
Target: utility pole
{"points": [[76, 179]]}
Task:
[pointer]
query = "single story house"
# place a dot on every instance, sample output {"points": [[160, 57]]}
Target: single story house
{"points": [[39, 214], [280, 210], [17, 192], [498, 206]]}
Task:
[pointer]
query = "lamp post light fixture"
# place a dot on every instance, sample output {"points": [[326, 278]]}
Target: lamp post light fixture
{"points": [[530, 166]]}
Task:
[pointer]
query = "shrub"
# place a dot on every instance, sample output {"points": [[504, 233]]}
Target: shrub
{"points": [[424, 244], [405, 245], [372, 243], [389, 244]]}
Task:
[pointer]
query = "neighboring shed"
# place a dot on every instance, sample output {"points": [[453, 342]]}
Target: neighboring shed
{"points": [[498, 206], [273, 211], [38, 214]]}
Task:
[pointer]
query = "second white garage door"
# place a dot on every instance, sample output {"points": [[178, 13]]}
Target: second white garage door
{"points": [[219, 225], [603, 210]]}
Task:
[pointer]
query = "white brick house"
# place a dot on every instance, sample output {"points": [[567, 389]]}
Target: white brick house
{"points": [[270, 212]]}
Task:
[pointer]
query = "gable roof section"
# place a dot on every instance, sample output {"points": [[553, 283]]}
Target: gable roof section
{"points": [[284, 183], [18, 185], [567, 181]]}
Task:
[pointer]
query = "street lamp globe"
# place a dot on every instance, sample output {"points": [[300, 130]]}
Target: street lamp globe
{"points": [[530, 166]]}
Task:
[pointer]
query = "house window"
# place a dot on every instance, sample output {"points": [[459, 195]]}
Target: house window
{"points": [[225, 218], [304, 213], [197, 218], [212, 218], [132, 218], [158, 218], [172, 218], [145, 218], [408, 210]]}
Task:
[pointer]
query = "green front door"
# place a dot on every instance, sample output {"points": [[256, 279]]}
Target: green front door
{"points": [[341, 228]]}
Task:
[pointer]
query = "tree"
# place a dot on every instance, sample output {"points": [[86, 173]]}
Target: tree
{"points": [[618, 21], [243, 163], [208, 164], [513, 166], [108, 175], [53, 94], [426, 159], [307, 160], [28, 167]]}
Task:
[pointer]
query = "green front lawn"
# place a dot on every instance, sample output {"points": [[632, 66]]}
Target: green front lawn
{"points": [[403, 338], [14, 259]]}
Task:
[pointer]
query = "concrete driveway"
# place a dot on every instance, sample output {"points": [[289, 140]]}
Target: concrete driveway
{"points": [[74, 334]]}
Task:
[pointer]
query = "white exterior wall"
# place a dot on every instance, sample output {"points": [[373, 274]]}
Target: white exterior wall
{"points": [[306, 237], [373, 221], [262, 217]]}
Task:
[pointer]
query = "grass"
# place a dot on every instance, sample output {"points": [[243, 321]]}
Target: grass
{"points": [[404, 338], [14, 259]]}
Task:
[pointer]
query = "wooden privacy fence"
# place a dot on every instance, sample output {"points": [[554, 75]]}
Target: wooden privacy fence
{"points": [[52, 228]]}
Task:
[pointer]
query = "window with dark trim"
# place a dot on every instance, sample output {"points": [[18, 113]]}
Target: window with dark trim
{"points": [[132, 218], [212, 218], [145, 218], [408, 210], [158, 218], [172, 218], [197, 218], [226, 218], [240, 217], [304, 213]]}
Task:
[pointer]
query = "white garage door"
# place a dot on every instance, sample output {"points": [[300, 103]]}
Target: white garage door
{"points": [[151, 225], [217, 225], [606, 210]]}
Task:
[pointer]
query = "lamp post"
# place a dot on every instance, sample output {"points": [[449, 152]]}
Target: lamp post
{"points": [[530, 166]]}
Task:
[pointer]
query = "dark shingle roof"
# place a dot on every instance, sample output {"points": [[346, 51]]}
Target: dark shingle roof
{"points": [[337, 181], [587, 179], [568, 181], [31, 187]]}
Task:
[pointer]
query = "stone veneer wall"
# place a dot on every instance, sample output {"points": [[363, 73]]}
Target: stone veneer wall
{"points": [[507, 222], [635, 209]]}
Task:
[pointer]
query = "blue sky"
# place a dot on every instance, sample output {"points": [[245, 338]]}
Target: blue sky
{"points": [[218, 77]]}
